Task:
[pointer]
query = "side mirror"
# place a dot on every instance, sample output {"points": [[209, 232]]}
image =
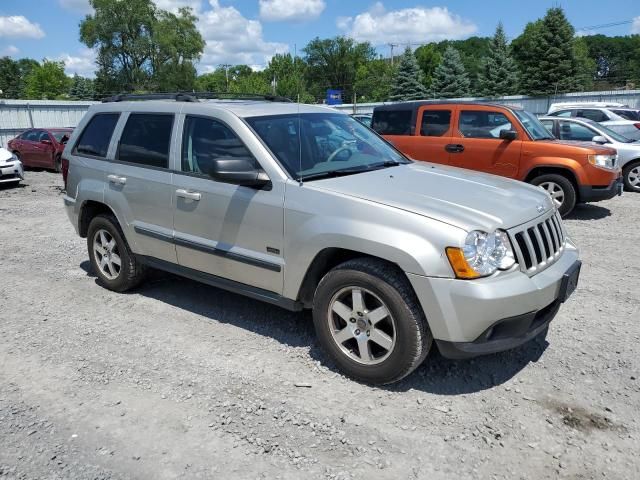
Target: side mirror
{"points": [[599, 139], [508, 135], [237, 171], [45, 141]]}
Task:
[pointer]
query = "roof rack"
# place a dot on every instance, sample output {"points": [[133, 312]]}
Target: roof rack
{"points": [[193, 97]]}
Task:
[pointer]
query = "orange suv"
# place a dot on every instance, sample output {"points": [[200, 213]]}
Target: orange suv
{"points": [[502, 140]]}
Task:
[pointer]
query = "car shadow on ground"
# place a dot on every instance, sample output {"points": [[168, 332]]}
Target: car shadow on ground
{"points": [[436, 375], [589, 211], [12, 185]]}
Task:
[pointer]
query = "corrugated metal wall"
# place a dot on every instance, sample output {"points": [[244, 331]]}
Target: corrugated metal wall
{"points": [[19, 115], [536, 105]]}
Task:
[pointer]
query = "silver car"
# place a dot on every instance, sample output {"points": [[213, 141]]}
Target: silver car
{"points": [[617, 117], [304, 207], [584, 130]]}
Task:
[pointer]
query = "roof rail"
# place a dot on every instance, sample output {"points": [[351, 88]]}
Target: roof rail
{"points": [[193, 97]]}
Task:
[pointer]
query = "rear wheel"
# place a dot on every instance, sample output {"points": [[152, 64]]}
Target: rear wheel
{"points": [[111, 258], [369, 321], [560, 189], [631, 176]]}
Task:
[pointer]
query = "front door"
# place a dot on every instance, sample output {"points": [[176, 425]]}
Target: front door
{"points": [[225, 230], [140, 184], [479, 146]]}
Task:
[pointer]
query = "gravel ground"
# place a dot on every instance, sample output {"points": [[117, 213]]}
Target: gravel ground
{"points": [[181, 380]]}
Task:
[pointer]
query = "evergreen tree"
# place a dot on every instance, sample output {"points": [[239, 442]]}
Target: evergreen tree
{"points": [[499, 73], [450, 80], [408, 82], [546, 56]]}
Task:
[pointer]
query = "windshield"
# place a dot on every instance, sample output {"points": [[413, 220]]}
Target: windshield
{"points": [[607, 131], [532, 125], [319, 144], [59, 134]]}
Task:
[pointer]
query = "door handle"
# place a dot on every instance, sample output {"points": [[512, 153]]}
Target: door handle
{"points": [[454, 148], [116, 179], [188, 195]]}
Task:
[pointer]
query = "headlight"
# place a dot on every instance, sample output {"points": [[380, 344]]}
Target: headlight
{"points": [[603, 161], [482, 254]]}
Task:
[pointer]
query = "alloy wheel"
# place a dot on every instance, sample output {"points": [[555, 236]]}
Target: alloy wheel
{"points": [[361, 325], [634, 177], [555, 191], [107, 255]]}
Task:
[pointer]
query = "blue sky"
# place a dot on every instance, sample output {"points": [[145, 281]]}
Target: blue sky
{"points": [[251, 31]]}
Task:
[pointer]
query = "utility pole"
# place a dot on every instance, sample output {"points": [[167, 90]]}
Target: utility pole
{"points": [[392, 45], [226, 72]]}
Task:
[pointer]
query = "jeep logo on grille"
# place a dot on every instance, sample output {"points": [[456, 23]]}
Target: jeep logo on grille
{"points": [[540, 208]]}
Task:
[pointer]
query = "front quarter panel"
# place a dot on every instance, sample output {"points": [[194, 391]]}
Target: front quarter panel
{"points": [[316, 219]]}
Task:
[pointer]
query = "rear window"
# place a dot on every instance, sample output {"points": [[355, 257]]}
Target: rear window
{"points": [[145, 140], [628, 114], [392, 122], [97, 134]]}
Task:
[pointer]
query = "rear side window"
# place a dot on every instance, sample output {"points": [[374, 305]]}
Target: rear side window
{"points": [[482, 124], [96, 136], [145, 140], [435, 123], [32, 135], [627, 114], [205, 140], [595, 115], [392, 122]]}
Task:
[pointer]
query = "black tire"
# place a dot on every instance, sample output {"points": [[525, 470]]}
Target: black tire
{"points": [[413, 338], [569, 191], [131, 271], [626, 172], [57, 164]]}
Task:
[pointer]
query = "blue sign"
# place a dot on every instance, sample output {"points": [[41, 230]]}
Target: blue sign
{"points": [[334, 97]]}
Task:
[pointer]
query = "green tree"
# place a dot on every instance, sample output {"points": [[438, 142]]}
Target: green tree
{"points": [[9, 78], [373, 81], [408, 82], [81, 88], [450, 80], [333, 63], [289, 75], [472, 51], [585, 65], [215, 81], [47, 81], [141, 47], [499, 73], [428, 57], [545, 55]]}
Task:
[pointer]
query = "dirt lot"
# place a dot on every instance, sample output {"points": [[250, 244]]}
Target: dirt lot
{"points": [[180, 380]]}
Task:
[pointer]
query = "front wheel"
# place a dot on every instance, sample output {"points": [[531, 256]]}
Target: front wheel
{"points": [[369, 321], [561, 190], [631, 177]]}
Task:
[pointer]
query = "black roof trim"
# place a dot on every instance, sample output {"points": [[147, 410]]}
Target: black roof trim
{"points": [[414, 105], [193, 97]]}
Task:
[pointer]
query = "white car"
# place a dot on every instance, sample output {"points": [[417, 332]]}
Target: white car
{"points": [[583, 130], [11, 170], [618, 117]]}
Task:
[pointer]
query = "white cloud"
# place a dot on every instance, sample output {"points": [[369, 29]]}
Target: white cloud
{"points": [[408, 25], [19, 27], [290, 10], [82, 64], [175, 5], [232, 38], [9, 51], [635, 26]]}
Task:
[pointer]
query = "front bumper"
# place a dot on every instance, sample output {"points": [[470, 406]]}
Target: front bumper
{"points": [[11, 172], [475, 317], [589, 193]]}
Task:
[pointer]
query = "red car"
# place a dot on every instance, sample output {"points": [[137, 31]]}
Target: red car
{"points": [[41, 147]]}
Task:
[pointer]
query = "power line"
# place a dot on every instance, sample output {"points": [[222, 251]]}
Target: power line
{"points": [[606, 25]]}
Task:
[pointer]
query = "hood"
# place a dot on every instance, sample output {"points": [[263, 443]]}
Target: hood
{"points": [[589, 147], [5, 155], [464, 198]]}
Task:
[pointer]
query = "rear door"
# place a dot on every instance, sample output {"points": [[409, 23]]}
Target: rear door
{"points": [[43, 150], [433, 137], [478, 143], [139, 183]]}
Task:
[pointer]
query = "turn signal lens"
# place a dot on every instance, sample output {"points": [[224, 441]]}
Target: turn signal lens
{"points": [[460, 265]]}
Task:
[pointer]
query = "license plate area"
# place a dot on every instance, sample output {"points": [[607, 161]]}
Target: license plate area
{"points": [[569, 281]]}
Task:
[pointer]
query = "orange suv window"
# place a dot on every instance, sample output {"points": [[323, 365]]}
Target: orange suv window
{"points": [[435, 123], [390, 122], [482, 124]]}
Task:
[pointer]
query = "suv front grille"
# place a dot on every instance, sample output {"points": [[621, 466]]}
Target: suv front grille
{"points": [[538, 244]]}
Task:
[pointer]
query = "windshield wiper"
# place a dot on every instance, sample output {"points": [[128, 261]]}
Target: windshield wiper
{"points": [[334, 173]]}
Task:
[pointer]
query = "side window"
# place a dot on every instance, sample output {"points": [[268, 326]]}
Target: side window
{"points": [[562, 113], [204, 140], [435, 123], [595, 115], [574, 131], [548, 124], [32, 135], [392, 122], [96, 136], [482, 124], [43, 136], [145, 140]]}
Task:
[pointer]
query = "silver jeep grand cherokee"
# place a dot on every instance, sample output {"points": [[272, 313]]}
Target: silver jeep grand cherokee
{"points": [[305, 207]]}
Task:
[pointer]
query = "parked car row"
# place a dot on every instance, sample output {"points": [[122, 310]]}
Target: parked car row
{"points": [[618, 117], [40, 148]]}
